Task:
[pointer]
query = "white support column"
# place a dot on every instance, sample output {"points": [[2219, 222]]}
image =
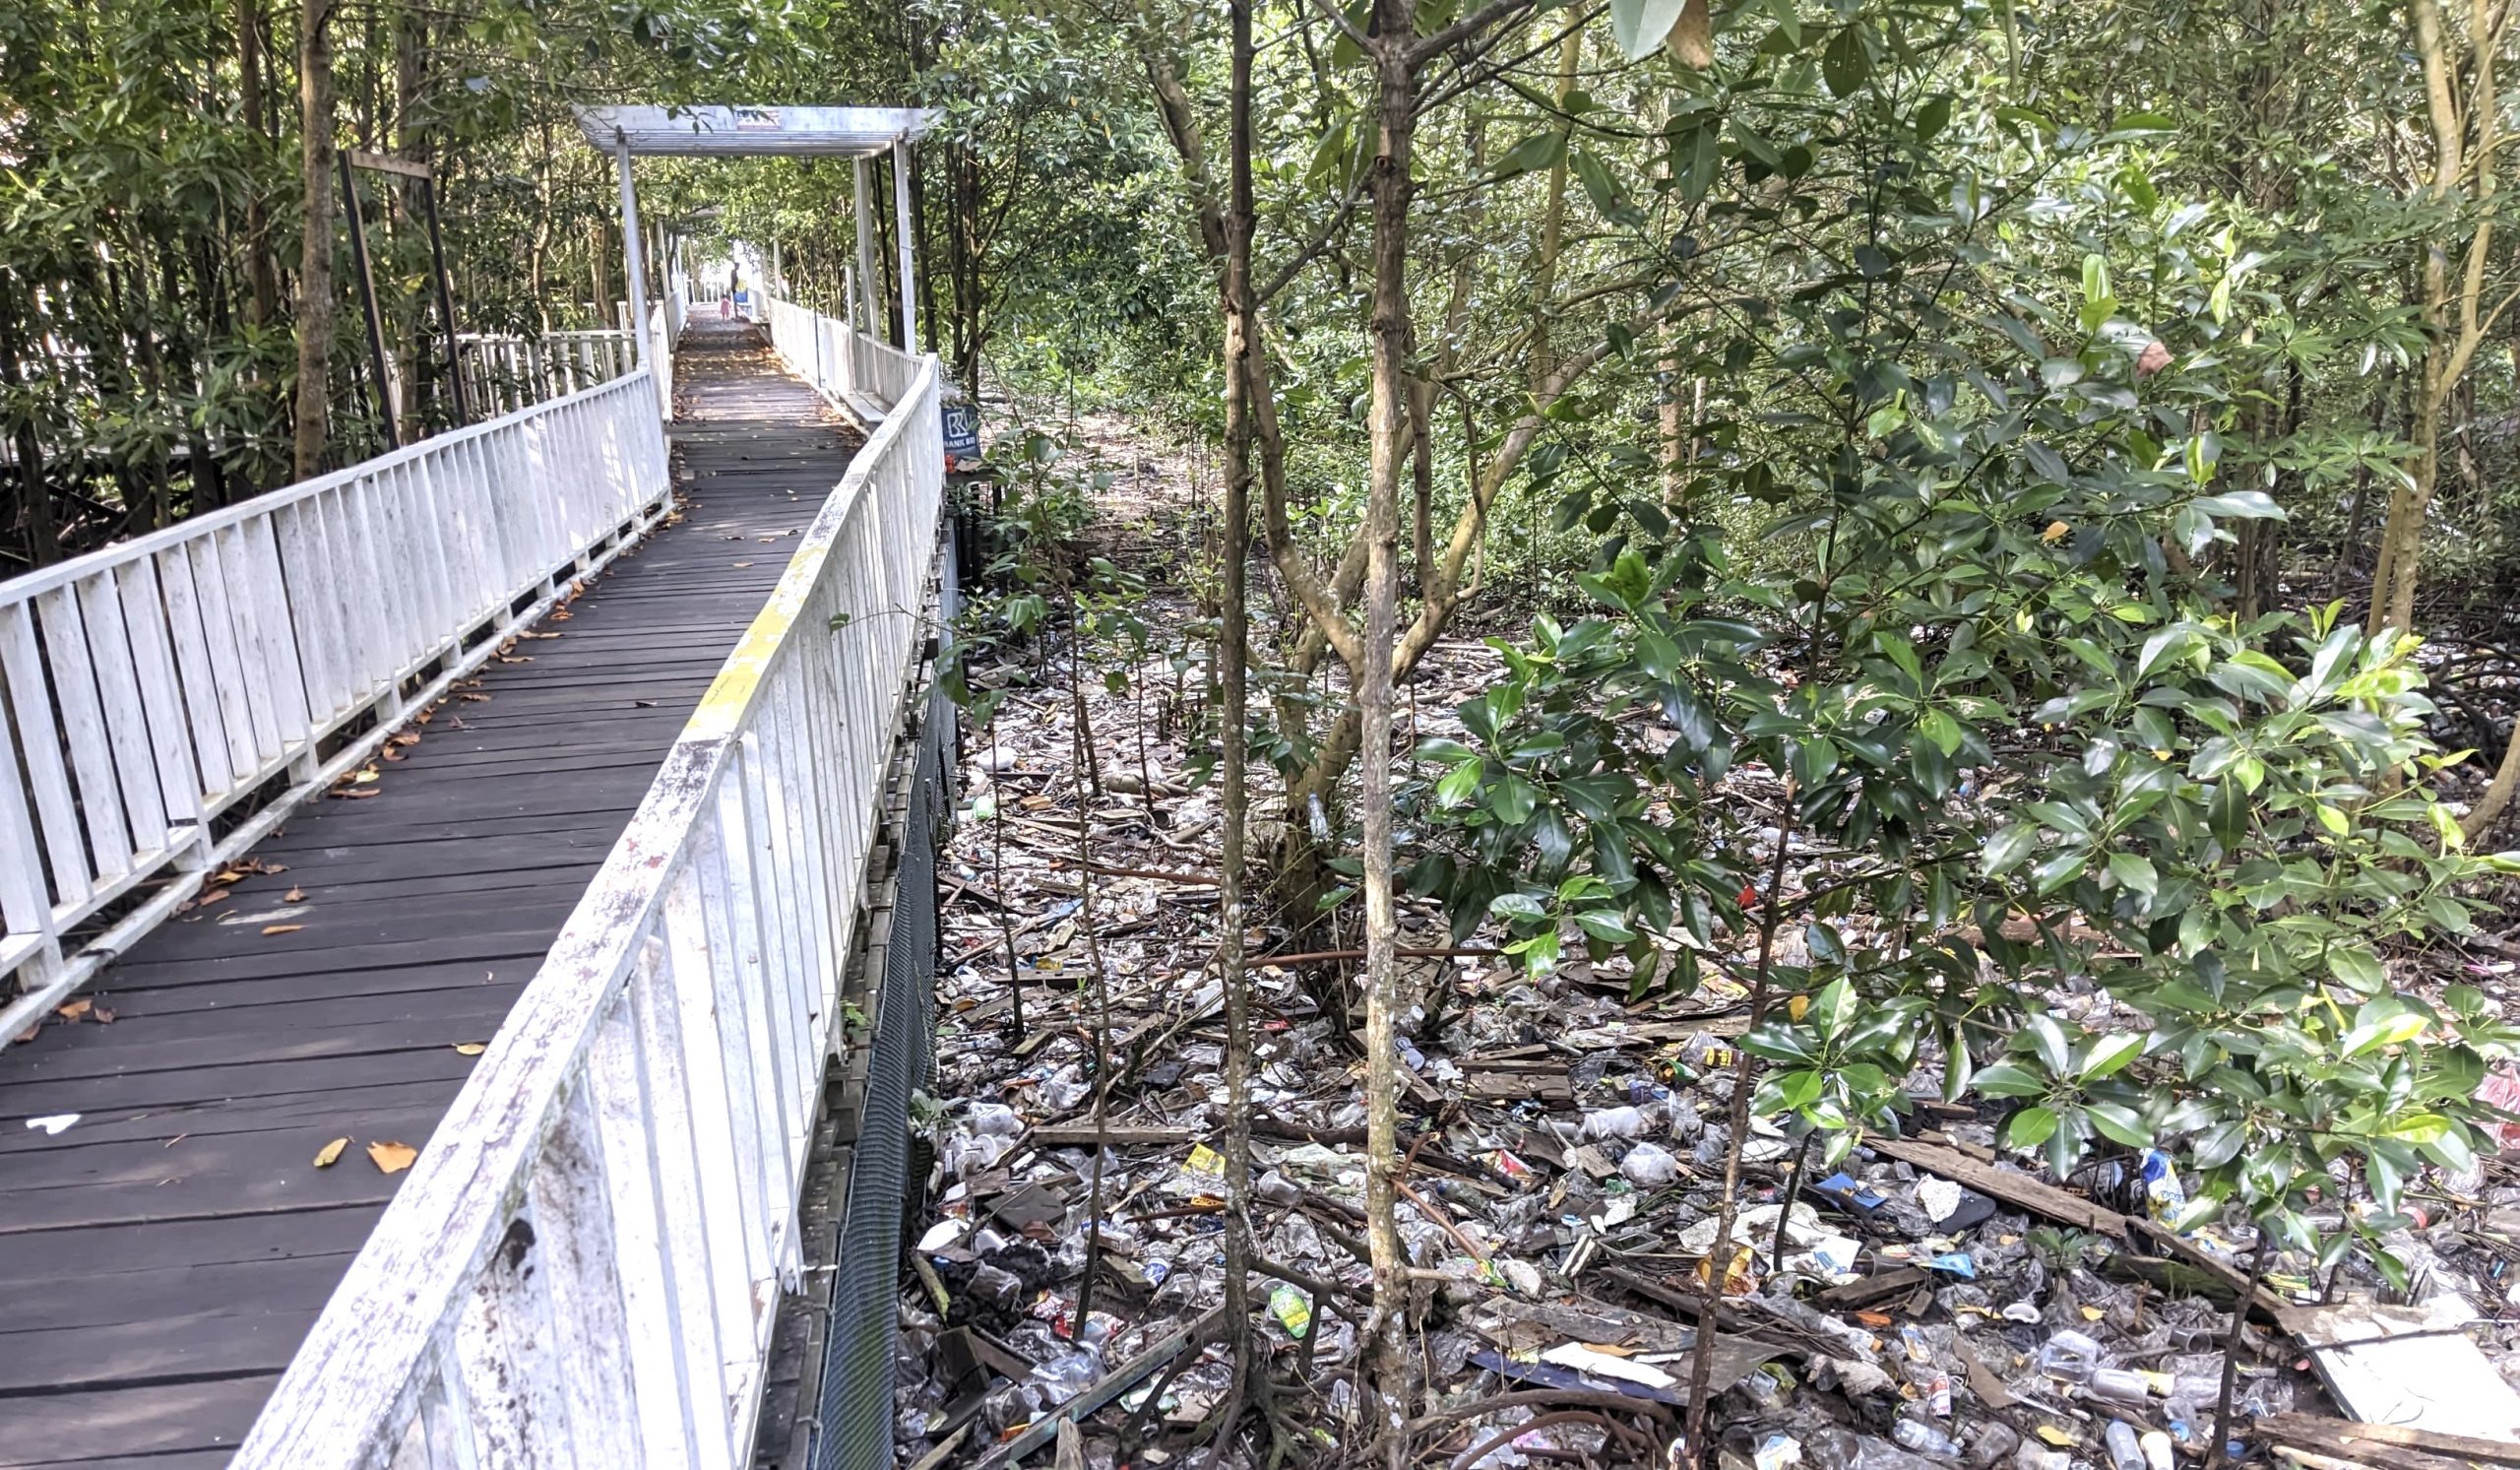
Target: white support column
{"points": [[865, 185], [632, 250], [902, 232]]}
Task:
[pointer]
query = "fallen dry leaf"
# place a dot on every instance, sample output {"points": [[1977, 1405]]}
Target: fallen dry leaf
{"points": [[354, 795], [331, 1153], [282, 929], [101, 1016], [75, 1009], [215, 896], [392, 1158], [475, 698], [2056, 531], [471, 1049], [295, 895]]}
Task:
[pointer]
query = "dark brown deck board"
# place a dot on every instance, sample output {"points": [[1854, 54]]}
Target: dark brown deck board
{"points": [[162, 1257]]}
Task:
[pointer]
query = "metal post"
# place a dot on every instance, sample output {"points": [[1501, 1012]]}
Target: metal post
{"points": [[632, 264], [865, 185], [446, 306], [385, 405], [902, 234]]}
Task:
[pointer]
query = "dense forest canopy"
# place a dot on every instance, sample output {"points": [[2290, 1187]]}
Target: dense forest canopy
{"points": [[2068, 450]]}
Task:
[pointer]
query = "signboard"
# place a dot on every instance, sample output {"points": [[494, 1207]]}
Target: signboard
{"points": [[962, 431]]}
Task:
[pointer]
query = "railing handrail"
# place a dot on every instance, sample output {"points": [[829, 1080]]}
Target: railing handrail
{"points": [[158, 688], [27, 586], [390, 1349]]}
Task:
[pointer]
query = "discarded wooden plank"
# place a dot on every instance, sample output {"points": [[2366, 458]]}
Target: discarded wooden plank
{"points": [[1083, 1135], [1114, 1384], [2017, 1189], [2365, 1442], [1855, 1295]]}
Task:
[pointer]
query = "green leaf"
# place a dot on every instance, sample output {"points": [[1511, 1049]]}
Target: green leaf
{"points": [[1604, 925], [1847, 62], [1537, 152], [2358, 968], [1518, 908], [2135, 873], [2008, 846], [2110, 1053], [2048, 1040], [2119, 1124], [1833, 1007], [1639, 25], [1941, 728], [1596, 178], [2004, 1079], [2059, 869], [2387, 1031], [2031, 1127], [1460, 783]]}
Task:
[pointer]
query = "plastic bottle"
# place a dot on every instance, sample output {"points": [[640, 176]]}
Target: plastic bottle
{"points": [[2071, 1356], [1925, 1439], [2119, 1385], [2125, 1448]]}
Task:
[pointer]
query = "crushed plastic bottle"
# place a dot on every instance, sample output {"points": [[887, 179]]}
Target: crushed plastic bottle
{"points": [[1925, 1439]]}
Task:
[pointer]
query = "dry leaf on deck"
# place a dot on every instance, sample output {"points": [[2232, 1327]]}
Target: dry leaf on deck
{"points": [[75, 1009], [295, 895], [282, 929], [331, 1153], [471, 1049], [392, 1158]]}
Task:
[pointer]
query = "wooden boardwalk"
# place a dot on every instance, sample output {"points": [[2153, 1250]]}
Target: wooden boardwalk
{"points": [[161, 1256]]}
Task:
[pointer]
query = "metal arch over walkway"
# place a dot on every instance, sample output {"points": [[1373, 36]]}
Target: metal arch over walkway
{"points": [[662, 746], [859, 134]]}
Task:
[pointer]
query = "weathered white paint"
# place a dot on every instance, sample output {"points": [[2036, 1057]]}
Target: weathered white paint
{"points": [[584, 1267], [156, 685]]}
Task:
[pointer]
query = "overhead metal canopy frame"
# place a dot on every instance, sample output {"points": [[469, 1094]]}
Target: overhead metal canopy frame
{"points": [[722, 132], [863, 134]]}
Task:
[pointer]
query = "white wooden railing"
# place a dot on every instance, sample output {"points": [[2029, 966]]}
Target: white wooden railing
{"points": [[584, 1267], [153, 687], [855, 369], [503, 373]]}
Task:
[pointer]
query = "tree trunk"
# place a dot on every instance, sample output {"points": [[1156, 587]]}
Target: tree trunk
{"points": [[1232, 648], [43, 539], [2453, 309], [2498, 793], [262, 274], [315, 260], [1388, 430]]}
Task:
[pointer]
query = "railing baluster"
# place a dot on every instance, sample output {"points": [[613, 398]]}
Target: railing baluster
{"points": [[82, 730], [589, 1337], [39, 746], [630, 1129], [128, 731]]}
